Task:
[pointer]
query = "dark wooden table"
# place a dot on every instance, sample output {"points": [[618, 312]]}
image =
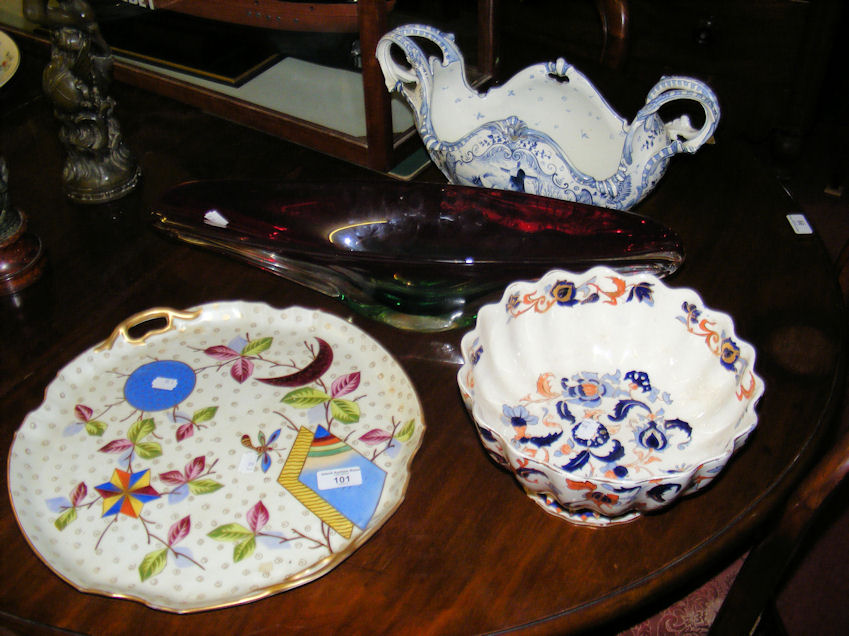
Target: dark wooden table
{"points": [[467, 551]]}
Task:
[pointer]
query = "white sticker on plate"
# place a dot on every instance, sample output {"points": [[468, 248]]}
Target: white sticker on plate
{"points": [[339, 478], [248, 463], [800, 224], [164, 384]]}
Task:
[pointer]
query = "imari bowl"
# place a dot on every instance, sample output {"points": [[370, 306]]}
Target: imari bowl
{"points": [[608, 395]]}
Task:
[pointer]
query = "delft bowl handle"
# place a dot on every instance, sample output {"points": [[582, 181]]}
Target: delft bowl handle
{"points": [[682, 136], [414, 83]]}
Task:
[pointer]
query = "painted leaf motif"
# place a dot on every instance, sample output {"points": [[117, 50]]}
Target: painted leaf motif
{"points": [[345, 384], [244, 550], [345, 411], [195, 467], [577, 461], [148, 450], [204, 415], [153, 563], [78, 493], [406, 431], [220, 352], [375, 436], [257, 346], [642, 292], [65, 518], [173, 478], [141, 429], [257, 516], [230, 532], [246, 441], [179, 530], [83, 413], [242, 370], [178, 494], [95, 428], [117, 446], [305, 397], [204, 486], [623, 407], [58, 504], [185, 431]]}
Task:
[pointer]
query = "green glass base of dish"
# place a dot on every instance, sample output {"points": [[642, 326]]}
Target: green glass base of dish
{"points": [[412, 322]]}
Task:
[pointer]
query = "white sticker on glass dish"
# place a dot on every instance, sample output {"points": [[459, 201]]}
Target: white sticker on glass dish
{"points": [[339, 478], [215, 218], [800, 224]]}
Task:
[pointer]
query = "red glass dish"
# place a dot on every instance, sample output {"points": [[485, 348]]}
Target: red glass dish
{"points": [[418, 256]]}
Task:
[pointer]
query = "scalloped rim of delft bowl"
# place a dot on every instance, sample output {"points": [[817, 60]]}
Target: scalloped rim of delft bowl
{"points": [[749, 417]]}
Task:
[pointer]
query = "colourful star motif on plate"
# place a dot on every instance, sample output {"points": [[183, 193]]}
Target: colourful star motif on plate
{"points": [[126, 493]]}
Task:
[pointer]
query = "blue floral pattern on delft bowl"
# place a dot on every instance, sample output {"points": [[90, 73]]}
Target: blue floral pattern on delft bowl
{"points": [[608, 395], [546, 131]]}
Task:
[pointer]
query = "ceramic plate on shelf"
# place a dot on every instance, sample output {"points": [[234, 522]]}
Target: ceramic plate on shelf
{"points": [[234, 452], [10, 58]]}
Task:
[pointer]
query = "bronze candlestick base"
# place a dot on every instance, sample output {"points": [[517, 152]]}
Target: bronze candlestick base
{"points": [[98, 166]]}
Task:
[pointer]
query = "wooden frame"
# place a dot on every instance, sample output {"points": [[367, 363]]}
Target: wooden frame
{"points": [[380, 149]]}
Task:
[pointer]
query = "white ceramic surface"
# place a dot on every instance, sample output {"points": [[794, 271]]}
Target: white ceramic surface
{"points": [[166, 471], [608, 395], [10, 58], [546, 131]]}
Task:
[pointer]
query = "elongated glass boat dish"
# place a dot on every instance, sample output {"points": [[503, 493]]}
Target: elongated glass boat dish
{"points": [[417, 256]]}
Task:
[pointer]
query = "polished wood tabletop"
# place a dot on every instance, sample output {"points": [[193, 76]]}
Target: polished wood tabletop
{"points": [[467, 551]]}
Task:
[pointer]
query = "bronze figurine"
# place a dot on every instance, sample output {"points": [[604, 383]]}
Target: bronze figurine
{"points": [[99, 167]]}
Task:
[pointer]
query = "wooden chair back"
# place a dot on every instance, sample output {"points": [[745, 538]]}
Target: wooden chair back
{"points": [[765, 567]]}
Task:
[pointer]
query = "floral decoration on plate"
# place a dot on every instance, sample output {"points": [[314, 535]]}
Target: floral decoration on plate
{"points": [[240, 453]]}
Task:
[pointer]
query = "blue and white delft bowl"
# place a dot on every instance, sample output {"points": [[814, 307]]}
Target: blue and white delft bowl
{"points": [[547, 131], [608, 395]]}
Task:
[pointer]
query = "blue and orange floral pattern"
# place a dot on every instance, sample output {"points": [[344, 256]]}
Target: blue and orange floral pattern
{"points": [[586, 427], [722, 346], [566, 293]]}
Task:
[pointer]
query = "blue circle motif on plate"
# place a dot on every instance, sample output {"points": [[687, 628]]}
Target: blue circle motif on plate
{"points": [[159, 385]]}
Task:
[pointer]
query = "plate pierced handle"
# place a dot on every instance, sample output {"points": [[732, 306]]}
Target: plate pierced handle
{"points": [[157, 313]]}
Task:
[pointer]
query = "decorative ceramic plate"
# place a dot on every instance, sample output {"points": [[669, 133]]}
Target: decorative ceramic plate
{"points": [[235, 452], [10, 58]]}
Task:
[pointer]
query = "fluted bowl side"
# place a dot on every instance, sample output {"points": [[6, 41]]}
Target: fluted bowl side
{"points": [[608, 395]]}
